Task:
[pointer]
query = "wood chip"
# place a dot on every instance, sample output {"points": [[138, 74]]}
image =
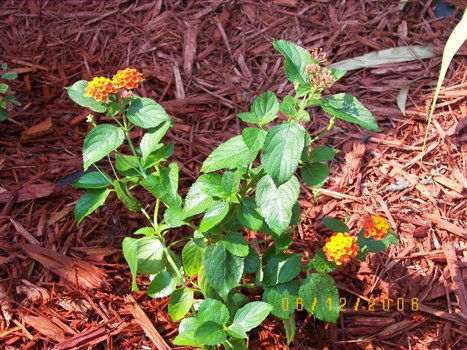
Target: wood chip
{"points": [[38, 130]]}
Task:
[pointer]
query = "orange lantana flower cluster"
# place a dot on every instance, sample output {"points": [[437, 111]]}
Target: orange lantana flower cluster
{"points": [[376, 226], [341, 247], [128, 78], [100, 87]]}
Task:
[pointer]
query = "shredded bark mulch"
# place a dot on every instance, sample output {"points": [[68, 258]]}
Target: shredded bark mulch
{"points": [[68, 287]]}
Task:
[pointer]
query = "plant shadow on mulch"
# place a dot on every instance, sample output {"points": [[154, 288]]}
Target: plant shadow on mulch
{"points": [[205, 62]]}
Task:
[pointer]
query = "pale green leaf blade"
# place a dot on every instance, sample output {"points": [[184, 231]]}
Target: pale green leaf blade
{"points": [[146, 113], [214, 215], [282, 269], [229, 155], [180, 303], [282, 151], [348, 108], [130, 253], [90, 201], [213, 310], [296, 60], [248, 214], [265, 107], [314, 174], [320, 297], [210, 333], [236, 244], [151, 255], [186, 332], [254, 139], [192, 257], [282, 298], [290, 328], [101, 140], [126, 197], [162, 285], [252, 314], [94, 179], [150, 141]]}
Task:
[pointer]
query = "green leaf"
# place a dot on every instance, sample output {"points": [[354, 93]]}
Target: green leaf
{"points": [[296, 60], [127, 165], [196, 200], [90, 201], [213, 310], [130, 253], [151, 255], [322, 154], [211, 185], [314, 174], [236, 244], [164, 185], [4, 66], [282, 268], [337, 73], [223, 269], [288, 105], [320, 297], [192, 257], [186, 332], [290, 328], [93, 180], [204, 286], [237, 331], [3, 114], [231, 154], [254, 139], [3, 88], [265, 107], [248, 117], [276, 203], [230, 183], [321, 263], [145, 231], [282, 151], [282, 298], [234, 302], [348, 108], [335, 225], [180, 303], [126, 197], [13, 100], [370, 245], [76, 93], [9, 76], [251, 315], [249, 215], [102, 140], [252, 262], [283, 241], [162, 285], [157, 156], [146, 113], [214, 215], [150, 141], [235, 344], [210, 333]]}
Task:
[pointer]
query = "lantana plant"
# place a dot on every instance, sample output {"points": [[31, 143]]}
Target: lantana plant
{"points": [[243, 209], [5, 97]]}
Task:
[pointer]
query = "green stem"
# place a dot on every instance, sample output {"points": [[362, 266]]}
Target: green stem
{"points": [[126, 130], [149, 218], [112, 166], [103, 174], [332, 121], [156, 211]]}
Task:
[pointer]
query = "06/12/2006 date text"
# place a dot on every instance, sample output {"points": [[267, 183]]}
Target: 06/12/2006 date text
{"points": [[372, 304]]}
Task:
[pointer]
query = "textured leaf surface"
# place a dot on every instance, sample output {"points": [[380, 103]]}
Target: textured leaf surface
{"points": [[90, 201], [180, 303], [146, 113], [320, 297], [76, 93], [296, 60], [100, 141], [93, 180], [229, 155]]}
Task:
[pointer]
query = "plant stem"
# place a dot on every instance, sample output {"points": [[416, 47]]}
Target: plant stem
{"points": [[126, 130], [112, 166], [102, 173], [149, 218], [332, 121], [156, 211]]}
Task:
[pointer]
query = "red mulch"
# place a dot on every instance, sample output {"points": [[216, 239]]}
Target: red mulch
{"points": [[63, 287]]}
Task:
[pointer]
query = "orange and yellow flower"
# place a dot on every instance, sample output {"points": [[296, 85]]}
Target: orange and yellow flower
{"points": [[128, 78], [99, 88], [376, 226], [341, 248]]}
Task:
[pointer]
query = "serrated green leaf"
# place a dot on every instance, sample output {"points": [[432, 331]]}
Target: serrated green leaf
{"points": [[186, 332], [3, 88], [320, 297], [13, 100], [213, 310], [211, 185], [231, 154], [248, 117], [251, 315], [126, 197], [214, 215], [101, 140], [235, 344], [223, 269], [370, 245], [196, 200], [282, 298], [282, 151], [288, 105], [314, 174], [337, 73], [158, 155], [321, 263], [9, 76], [252, 262], [283, 241], [296, 60], [162, 285], [76, 93], [151, 255], [90, 201], [164, 185], [248, 214], [237, 331], [145, 231], [150, 141], [93, 180], [146, 113], [348, 108], [210, 333], [335, 225], [127, 165], [180, 303], [236, 244], [290, 328], [254, 139], [281, 269], [192, 257], [130, 253], [276, 203], [265, 107], [230, 183], [322, 154]]}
